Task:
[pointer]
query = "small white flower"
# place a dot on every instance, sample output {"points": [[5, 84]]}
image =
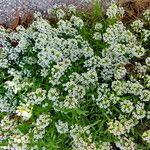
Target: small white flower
{"points": [[146, 136], [120, 72], [147, 61], [138, 51], [114, 11], [44, 72], [53, 94], [37, 15], [116, 128], [139, 111], [145, 95], [72, 8], [127, 106], [24, 110], [62, 127], [97, 36], [60, 14], [126, 143], [98, 26], [105, 146], [146, 34], [147, 15], [78, 22], [20, 28], [137, 25]]}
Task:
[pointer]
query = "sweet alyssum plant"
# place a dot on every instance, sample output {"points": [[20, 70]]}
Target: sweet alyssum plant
{"points": [[76, 84]]}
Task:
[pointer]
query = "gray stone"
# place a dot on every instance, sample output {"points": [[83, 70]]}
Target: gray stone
{"points": [[8, 7]]}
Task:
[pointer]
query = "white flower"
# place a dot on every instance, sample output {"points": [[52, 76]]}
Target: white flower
{"points": [[105, 146], [127, 106], [146, 136], [116, 128], [12, 85], [148, 115], [53, 94], [117, 33], [138, 51], [139, 111], [66, 27], [39, 126], [88, 52], [114, 11], [20, 28], [72, 9], [24, 110], [145, 95], [147, 61], [126, 143], [44, 72], [36, 97], [18, 140], [70, 102], [98, 26], [120, 72], [147, 80], [62, 127], [146, 34], [60, 14], [97, 36], [76, 131], [147, 15], [37, 15], [58, 70], [77, 22], [7, 124], [137, 25]]}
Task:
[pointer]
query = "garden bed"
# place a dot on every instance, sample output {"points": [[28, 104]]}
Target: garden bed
{"points": [[79, 81]]}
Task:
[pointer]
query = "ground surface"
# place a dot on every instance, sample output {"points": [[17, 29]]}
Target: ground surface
{"points": [[8, 7]]}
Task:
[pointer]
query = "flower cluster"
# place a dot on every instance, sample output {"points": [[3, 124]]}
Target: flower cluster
{"points": [[116, 128], [122, 126], [7, 124], [77, 22], [39, 126], [105, 146], [126, 143], [114, 11], [127, 106], [37, 97], [118, 33], [137, 25], [147, 15], [79, 143], [19, 140], [62, 127]]}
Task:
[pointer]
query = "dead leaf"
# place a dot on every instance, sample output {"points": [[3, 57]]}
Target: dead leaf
{"points": [[27, 19], [133, 9], [16, 21]]}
